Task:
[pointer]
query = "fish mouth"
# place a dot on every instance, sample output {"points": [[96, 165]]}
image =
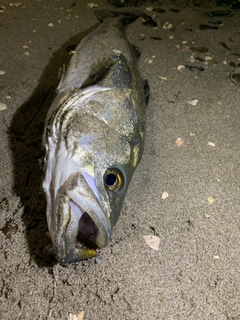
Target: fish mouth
{"points": [[87, 231], [87, 228]]}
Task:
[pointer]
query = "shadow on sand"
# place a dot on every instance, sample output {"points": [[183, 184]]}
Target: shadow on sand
{"points": [[25, 135]]}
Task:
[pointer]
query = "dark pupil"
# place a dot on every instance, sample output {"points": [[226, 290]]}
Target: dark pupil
{"points": [[110, 179]]}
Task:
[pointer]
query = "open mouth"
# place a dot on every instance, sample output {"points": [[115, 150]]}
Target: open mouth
{"points": [[83, 225], [87, 231]]}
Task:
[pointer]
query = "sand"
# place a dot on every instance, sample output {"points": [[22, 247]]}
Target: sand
{"points": [[185, 191]]}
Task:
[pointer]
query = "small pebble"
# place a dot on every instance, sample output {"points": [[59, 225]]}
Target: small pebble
{"points": [[99, 259], [2, 72], [165, 195], [117, 51], [179, 142], [207, 58], [92, 5], [210, 200], [167, 25], [216, 257], [50, 24], [3, 106], [192, 58], [211, 144], [15, 4], [26, 53], [185, 48], [72, 316], [181, 66], [192, 102]]}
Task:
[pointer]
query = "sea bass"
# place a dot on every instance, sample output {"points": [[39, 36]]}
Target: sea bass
{"points": [[94, 137]]}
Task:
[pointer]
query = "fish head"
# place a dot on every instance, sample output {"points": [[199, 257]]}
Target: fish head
{"points": [[86, 180], [83, 208]]}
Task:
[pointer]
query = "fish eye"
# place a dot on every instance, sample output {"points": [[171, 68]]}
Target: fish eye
{"points": [[113, 180]]}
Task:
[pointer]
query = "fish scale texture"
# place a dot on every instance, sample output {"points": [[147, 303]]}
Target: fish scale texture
{"points": [[195, 273]]}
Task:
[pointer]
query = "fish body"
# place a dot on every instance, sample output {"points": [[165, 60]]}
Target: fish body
{"points": [[94, 139]]}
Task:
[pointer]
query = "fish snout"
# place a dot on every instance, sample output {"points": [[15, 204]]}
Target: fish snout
{"points": [[88, 227]]}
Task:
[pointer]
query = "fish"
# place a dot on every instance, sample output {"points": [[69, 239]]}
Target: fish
{"points": [[93, 139]]}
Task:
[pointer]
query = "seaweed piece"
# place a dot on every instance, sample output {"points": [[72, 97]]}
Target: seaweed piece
{"points": [[148, 21], [199, 59], [199, 49], [235, 54], [156, 38], [224, 45], [220, 13], [125, 3], [215, 22], [159, 10], [175, 10], [194, 67], [232, 64], [206, 26]]}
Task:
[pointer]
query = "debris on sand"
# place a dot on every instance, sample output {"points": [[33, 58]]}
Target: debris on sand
{"points": [[179, 142], [152, 241]]}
